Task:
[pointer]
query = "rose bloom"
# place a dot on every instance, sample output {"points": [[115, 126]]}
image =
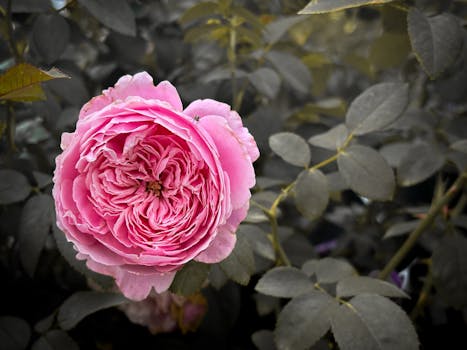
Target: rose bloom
{"points": [[144, 186]]}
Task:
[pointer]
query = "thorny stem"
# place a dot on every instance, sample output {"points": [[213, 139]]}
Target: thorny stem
{"points": [[426, 222], [9, 33]]}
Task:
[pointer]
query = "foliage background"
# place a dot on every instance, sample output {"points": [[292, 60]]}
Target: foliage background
{"points": [[382, 193]]}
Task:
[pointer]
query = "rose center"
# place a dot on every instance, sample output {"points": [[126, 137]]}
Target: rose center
{"points": [[155, 187]]}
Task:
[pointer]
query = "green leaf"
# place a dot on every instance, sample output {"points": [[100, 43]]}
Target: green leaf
{"points": [[240, 264], [366, 172], [355, 285], [435, 40], [328, 270], [50, 36], [190, 278], [450, 269], [258, 240], [264, 339], [37, 218], [284, 282], [22, 82], [266, 81], [69, 254], [292, 70], [311, 193], [14, 333], [332, 139], [55, 340], [401, 228], [291, 147], [82, 304], [377, 107], [116, 14], [199, 11], [372, 322], [304, 320], [14, 186], [420, 162], [274, 31], [323, 6], [460, 146]]}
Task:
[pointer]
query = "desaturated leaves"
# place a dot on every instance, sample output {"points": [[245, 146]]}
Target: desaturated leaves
{"points": [[435, 40], [190, 278], [318, 304], [323, 6], [377, 107], [22, 82], [50, 36], [291, 147], [116, 14], [366, 172], [14, 333], [312, 193], [240, 264], [14, 186]]}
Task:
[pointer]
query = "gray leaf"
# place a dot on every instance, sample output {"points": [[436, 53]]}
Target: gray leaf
{"points": [[291, 147], [14, 186], [312, 193], [366, 172], [266, 81], [292, 70], [328, 270], [55, 340], [284, 282], [240, 264], [14, 333], [331, 139], [323, 6], [190, 278], [355, 285]]}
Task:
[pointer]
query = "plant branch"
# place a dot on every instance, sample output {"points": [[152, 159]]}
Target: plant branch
{"points": [[435, 209], [10, 34], [424, 294]]}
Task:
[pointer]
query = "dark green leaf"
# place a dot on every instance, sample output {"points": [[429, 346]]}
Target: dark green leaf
{"points": [[274, 31], [419, 163], [37, 218], [116, 14], [460, 146], [82, 304], [264, 340], [69, 254], [50, 36], [22, 82], [450, 269], [377, 107], [291, 147], [14, 333], [332, 139], [366, 172], [373, 322], [304, 320], [190, 278], [266, 81], [14, 186], [55, 340], [401, 228], [323, 6], [292, 70], [355, 285], [284, 282], [328, 270], [240, 264], [435, 40], [311, 193]]}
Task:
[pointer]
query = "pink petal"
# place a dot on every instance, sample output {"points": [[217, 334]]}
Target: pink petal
{"points": [[137, 287], [220, 248], [202, 108], [141, 85], [234, 159]]}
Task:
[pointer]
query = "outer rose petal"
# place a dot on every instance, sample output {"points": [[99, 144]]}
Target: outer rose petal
{"points": [[220, 248], [202, 108], [141, 85], [234, 159], [135, 286]]}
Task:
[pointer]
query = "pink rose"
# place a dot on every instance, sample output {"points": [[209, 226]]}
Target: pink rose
{"points": [[142, 186]]}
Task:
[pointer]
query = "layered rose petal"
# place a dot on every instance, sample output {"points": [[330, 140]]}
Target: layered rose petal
{"points": [[142, 188]]}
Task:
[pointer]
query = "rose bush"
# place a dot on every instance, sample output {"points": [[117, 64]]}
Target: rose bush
{"points": [[143, 187]]}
